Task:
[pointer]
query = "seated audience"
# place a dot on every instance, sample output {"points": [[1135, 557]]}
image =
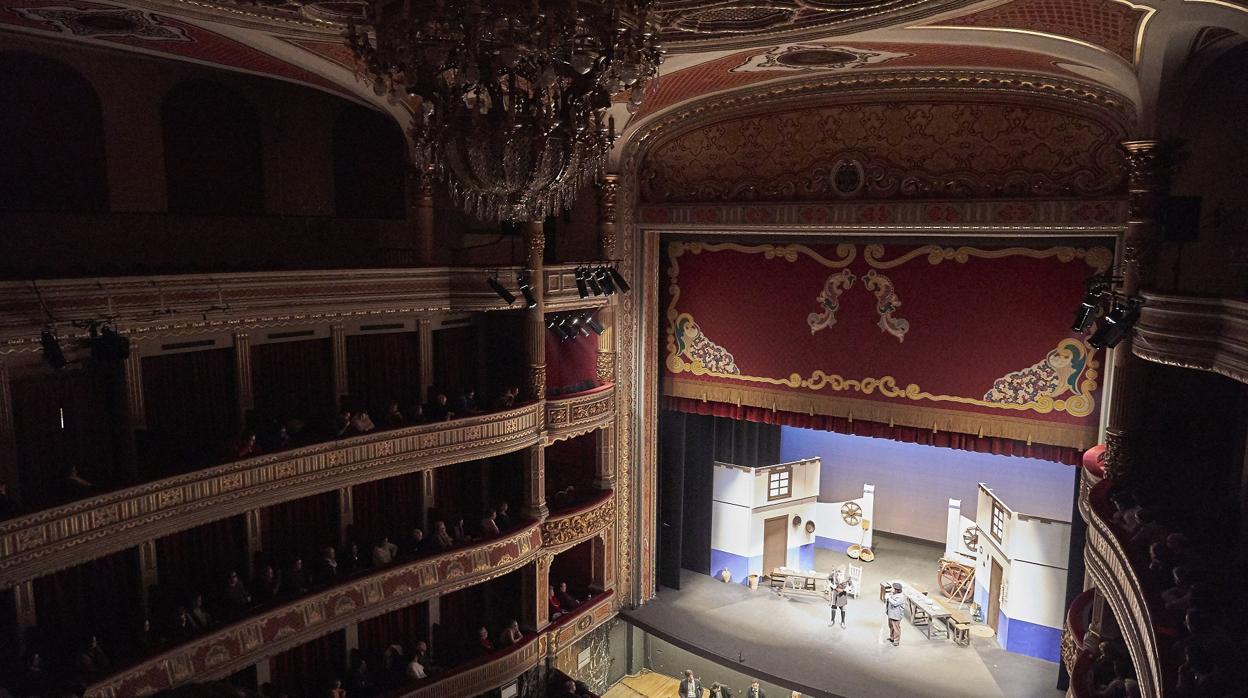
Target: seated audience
{"points": [[8, 505], [510, 635], [267, 585], [181, 628], [336, 690], [566, 600], [489, 527], [236, 597], [441, 539], [361, 423], [415, 543], [459, 534], [503, 517], [342, 426], [438, 410], [418, 414], [247, 446], [201, 619], [484, 646], [415, 669], [466, 404], [393, 417], [423, 655], [92, 661], [297, 577], [556, 608], [351, 560], [360, 679], [384, 552], [327, 566]]}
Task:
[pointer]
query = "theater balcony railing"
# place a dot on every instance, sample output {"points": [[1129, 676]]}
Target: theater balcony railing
{"points": [[1210, 334], [496, 670], [570, 416], [1075, 633], [41, 543], [564, 529], [248, 641], [1081, 683], [155, 306], [1120, 583]]}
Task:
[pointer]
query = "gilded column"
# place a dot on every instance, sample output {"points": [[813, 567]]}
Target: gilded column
{"points": [[255, 542], [8, 437], [1148, 183], [149, 573], [420, 198], [535, 586], [346, 513], [535, 482], [604, 458], [25, 618], [242, 377], [134, 411], [428, 493], [535, 244], [338, 353], [606, 244], [424, 329]]}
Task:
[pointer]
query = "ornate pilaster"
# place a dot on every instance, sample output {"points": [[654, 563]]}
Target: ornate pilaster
{"points": [[535, 586], [428, 494], [535, 482], [420, 203], [242, 376], [149, 573], [604, 460], [535, 246], [606, 344], [1148, 165], [606, 215], [8, 437], [346, 513], [136, 410], [338, 354], [424, 330], [255, 543], [24, 615]]}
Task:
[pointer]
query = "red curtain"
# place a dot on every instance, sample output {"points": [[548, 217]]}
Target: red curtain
{"points": [[199, 558], [292, 379], [461, 615], [402, 627], [574, 566], [571, 462], [45, 449], [504, 345], [571, 365], [455, 360], [191, 405], [99, 597], [382, 367], [306, 670], [858, 427], [299, 527], [386, 507]]}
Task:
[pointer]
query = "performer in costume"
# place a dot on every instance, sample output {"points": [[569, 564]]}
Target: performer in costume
{"points": [[840, 595]]}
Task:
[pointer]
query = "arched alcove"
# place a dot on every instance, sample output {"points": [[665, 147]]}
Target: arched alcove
{"points": [[213, 151], [369, 163]]}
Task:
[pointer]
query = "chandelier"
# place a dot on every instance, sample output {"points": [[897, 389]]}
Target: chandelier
{"points": [[510, 96]]}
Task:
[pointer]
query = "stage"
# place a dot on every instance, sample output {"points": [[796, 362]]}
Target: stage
{"points": [[791, 639]]}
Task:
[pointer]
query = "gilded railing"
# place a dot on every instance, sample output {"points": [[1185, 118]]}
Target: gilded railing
{"points": [[1210, 334], [563, 530], [578, 414], [246, 642], [52, 539], [1074, 634], [497, 671], [1110, 568], [1081, 685]]}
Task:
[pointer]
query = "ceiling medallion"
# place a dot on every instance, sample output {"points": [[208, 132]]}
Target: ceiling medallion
{"points": [[510, 97], [105, 23], [799, 57]]}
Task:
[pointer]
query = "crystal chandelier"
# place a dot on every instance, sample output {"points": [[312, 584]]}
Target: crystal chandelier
{"points": [[509, 97]]}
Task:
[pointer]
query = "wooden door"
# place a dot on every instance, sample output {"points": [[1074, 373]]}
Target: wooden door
{"points": [[775, 543], [994, 595]]}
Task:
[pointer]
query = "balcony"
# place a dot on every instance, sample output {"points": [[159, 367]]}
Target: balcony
{"points": [[1118, 581], [1074, 635], [495, 671], [1210, 334], [44, 542], [564, 529], [248, 641], [573, 415]]}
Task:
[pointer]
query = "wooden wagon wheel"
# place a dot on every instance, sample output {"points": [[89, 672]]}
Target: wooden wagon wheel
{"points": [[851, 513], [971, 537], [954, 580]]}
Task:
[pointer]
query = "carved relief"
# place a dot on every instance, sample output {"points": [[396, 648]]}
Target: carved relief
{"points": [[605, 367], [578, 526]]}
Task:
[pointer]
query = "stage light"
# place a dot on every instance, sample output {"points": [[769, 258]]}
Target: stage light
{"points": [[526, 290], [620, 283], [578, 324], [594, 324], [52, 349], [580, 282], [1097, 285], [554, 325], [1116, 325], [592, 282], [501, 290], [604, 280]]}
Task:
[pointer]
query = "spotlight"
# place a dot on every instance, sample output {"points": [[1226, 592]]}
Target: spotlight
{"points": [[1116, 325], [604, 280], [52, 349], [592, 282], [553, 325], [526, 290], [620, 283], [594, 324], [1096, 284], [578, 325], [580, 282], [501, 290]]}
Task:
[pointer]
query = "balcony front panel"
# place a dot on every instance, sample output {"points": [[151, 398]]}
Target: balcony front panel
{"points": [[574, 415], [1076, 628], [246, 642], [563, 530], [44, 542], [1110, 568], [1210, 334]]}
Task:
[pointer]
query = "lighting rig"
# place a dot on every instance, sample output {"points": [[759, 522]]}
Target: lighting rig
{"points": [[1116, 314]]}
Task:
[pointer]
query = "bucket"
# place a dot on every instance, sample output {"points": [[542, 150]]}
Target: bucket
{"points": [[753, 581]]}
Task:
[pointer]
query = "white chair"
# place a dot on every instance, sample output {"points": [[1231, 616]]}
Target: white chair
{"points": [[855, 579]]}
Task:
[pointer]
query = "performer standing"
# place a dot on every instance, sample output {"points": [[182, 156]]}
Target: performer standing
{"points": [[839, 595], [895, 609], [689, 686], [755, 691]]}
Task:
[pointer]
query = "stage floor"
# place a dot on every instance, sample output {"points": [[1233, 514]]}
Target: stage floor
{"points": [[792, 638]]}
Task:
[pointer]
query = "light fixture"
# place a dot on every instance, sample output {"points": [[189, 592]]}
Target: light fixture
{"points": [[1096, 285], [580, 282], [509, 98], [1117, 324], [522, 279], [576, 324], [594, 324], [620, 283], [590, 281], [604, 280], [554, 325], [52, 349], [501, 290]]}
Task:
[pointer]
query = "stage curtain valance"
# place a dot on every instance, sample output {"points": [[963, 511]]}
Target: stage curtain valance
{"points": [[969, 340]]}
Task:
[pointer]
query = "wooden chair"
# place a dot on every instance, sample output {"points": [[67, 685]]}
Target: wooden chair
{"points": [[855, 579]]}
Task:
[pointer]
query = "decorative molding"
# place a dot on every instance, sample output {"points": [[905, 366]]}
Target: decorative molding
{"points": [[1209, 334], [566, 631], [151, 307], [44, 542], [1111, 570], [565, 530], [248, 641], [571, 416], [1076, 628]]}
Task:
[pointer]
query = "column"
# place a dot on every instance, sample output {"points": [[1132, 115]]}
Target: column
{"points": [[535, 335], [255, 543], [134, 411], [535, 590], [606, 244], [149, 574], [604, 458], [352, 642], [242, 377], [264, 671], [424, 329], [535, 482], [338, 352], [428, 492], [8, 438], [1148, 182], [346, 514], [420, 215], [24, 610]]}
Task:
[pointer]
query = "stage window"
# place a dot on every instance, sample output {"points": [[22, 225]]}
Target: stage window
{"points": [[779, 483], [998, 521]]}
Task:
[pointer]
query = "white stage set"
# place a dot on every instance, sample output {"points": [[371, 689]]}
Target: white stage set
{"points": [[769, 519]]}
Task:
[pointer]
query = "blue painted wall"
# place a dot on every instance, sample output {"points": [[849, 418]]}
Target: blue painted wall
{"points": [[839, 546]]}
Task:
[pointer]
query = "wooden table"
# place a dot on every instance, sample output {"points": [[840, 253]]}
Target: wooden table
{"points": [[925, 612], [802, 584]]}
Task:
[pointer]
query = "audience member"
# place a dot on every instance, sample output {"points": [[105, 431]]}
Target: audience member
{"points": [[236, 596], [35, 680], [438, 410], [418, 414], [503, 517], [267, 584], [423, 655], [484, 646], [8, 506], [351, 560], [441, 539], [415, 543], [384, 552], [569, 689], [1179, 597], [489, 525], [556, 608], [74, 485], [393, 666], [361, 423], [360, 679], [507, 399], [393, 417], [327, 566], [297, 577], [181, 628], [92, 661], [566, 601], [247, 446], [201, 619], [511, 635], [415, 669], [459, 534], [336, 690], [342, 427], [466, 404]]}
